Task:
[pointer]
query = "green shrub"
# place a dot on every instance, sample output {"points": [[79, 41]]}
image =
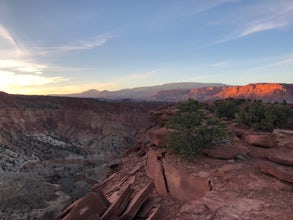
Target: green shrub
{"points": [[227, 108], [266, 117], [192, 130]]}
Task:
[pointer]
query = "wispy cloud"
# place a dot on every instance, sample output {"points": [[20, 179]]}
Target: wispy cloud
{"points": [[11, 80], [271, 16], [181, 9], [21, 66], [8, 46], [4, 34], [219, 64], [286, 61], [79, 45]]}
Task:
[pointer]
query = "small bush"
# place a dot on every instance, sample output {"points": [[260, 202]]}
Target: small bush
{"points": [[266, 117], [227, 108], [192, 130]]}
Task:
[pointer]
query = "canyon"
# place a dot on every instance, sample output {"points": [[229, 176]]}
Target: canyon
{"points": [[54, 149], [80, 158]]}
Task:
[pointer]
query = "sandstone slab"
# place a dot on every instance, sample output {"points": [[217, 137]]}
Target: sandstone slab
{"points": [[183, 186], [195, 210], [281, 172], [154, 170], [136, 202], [282, 157], [90, 206], [260, 140], [117, 207], [225, 151]]}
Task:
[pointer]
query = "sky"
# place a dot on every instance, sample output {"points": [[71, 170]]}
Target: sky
{"points": [[65, 46]]}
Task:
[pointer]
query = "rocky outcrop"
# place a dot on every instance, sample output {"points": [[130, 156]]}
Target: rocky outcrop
{"points": [[183, 186], [170, 180], [91, 206], [284, 157], [126, 206], [155, 171], [136, 202], [158, 136], [261, 140], [265, 91], [281, 172], [227, 151]]}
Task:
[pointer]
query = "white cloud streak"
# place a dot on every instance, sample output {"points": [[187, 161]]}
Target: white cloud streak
{"points": [[286, 61], [4, 34], [21, 66], [180, 9], [219, 64], [274, 15], [81, 45], [11, 80]]}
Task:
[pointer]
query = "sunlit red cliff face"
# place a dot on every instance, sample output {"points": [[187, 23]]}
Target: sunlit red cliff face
{"points": [[268, 92], [262, 91]]}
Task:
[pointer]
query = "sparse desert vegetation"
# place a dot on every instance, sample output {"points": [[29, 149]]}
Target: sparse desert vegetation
{"points": [[191, 129]]}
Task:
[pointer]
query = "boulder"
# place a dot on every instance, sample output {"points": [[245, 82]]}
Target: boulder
{"points": [[225, 151], [282, 157], [280, 172], [91, 206], [260, 140], [154, 170], [184, 186]]}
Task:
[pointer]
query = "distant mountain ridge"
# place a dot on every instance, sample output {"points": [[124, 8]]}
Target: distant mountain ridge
{"points": [[268, 92], [143, 92]]}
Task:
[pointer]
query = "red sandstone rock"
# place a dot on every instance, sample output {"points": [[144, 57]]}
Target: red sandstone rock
{"points": [[158, 137], [154, 170], [239, 132], [136, 202], [117, 207], [289, 146], [282, 157], [91, 206], [261, 140], [183, 186], [155, 215], [281, 172], [225, 151], [195, 210], [146, 208]]}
